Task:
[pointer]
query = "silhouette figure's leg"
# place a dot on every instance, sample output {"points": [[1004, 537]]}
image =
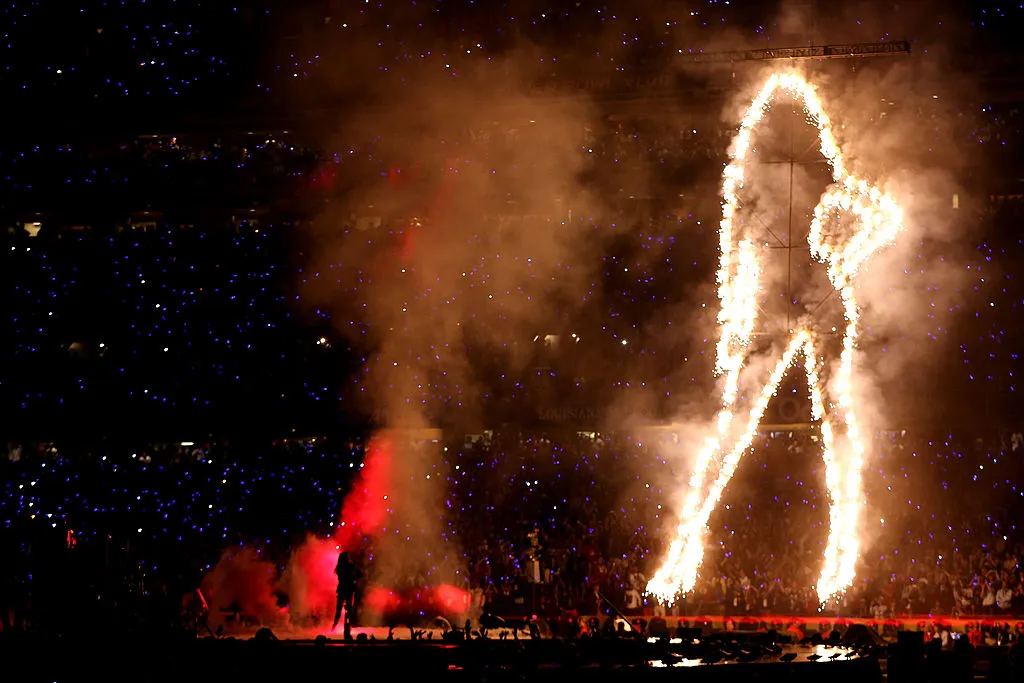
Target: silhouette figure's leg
{"points": [[843, 458], [337, 611], [715, 467], [348, 619]]}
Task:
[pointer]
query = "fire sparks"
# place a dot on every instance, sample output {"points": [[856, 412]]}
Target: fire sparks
{"points": [[878, 220]]}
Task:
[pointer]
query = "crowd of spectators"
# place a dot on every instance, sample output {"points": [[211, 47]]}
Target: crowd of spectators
{"points": [[197, 178], [543, 524], [162, 326], [190, 331], [925, 550]]}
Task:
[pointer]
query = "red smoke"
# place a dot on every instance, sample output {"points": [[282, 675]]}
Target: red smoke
{"points": [[244, 581], [409, 241], [404, 176], [366, 505], [324, 177], [436, 211], [309, 581]]}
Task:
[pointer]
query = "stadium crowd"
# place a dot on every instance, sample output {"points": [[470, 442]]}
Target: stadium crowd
{"points": [[535, 525]]}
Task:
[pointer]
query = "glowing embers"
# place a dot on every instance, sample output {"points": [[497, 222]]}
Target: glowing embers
{"points": [[876, 220]]}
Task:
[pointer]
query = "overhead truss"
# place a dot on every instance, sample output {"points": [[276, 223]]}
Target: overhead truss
{"points": [[840, 51]]}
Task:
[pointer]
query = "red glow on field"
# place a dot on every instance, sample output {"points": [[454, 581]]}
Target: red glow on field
{"points": [[381, 600], [443, 600], [449, 599]]}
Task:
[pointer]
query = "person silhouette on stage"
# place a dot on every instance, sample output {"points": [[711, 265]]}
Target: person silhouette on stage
{"points": [[348, 575]]}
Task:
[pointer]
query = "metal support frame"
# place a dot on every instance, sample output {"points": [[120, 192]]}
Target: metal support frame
{"points": [[840, 51], [793, 241]]}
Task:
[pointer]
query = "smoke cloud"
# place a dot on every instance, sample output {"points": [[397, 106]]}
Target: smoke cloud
{"points": [[489, 233]]}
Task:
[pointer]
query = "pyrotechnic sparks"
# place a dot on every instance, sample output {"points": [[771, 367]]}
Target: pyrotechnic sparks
{"points": [[878, 220]]}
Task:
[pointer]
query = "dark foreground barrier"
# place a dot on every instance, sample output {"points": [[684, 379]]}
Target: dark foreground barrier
{"points": [[122, 658]]}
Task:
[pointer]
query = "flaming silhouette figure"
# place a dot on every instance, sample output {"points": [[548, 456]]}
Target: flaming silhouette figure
{"points": [[877, 220]]}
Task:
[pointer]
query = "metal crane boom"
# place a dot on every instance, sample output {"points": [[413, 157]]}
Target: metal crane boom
{"points": [[840, 51]]}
